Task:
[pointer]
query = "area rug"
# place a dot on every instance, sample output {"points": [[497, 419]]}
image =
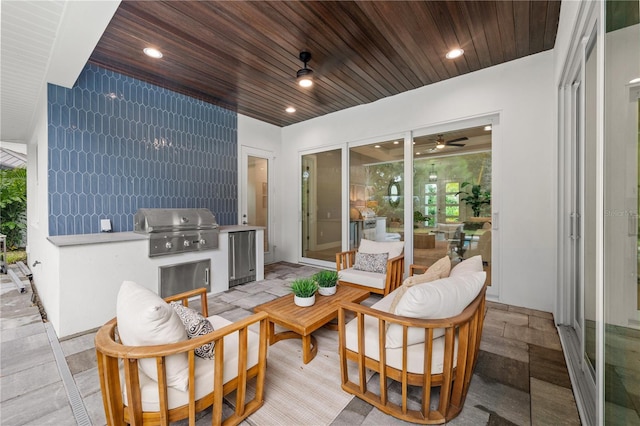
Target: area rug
{"points": [[298, 393]]}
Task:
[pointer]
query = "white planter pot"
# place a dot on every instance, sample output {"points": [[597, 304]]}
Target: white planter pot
{"points": [[304, 301], [327, 291]]}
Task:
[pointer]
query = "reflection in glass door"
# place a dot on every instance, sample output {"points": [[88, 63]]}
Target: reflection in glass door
{"points": [[255, 202], [321, 198], [621, 360], [376, 192], [452, 196]]}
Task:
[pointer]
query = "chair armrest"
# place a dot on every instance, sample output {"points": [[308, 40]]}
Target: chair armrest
{"points": [[345, 259], [414, 267], [395, 274], [185, 296]]}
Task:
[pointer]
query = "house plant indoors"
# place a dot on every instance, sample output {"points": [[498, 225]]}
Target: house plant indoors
{"points": [[476, 199], [327, 282], [304, 291]]}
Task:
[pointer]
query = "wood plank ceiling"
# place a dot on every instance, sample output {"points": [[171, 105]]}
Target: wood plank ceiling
{"points": [[243, 55]]}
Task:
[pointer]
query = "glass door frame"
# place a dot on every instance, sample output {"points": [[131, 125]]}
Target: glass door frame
{"points": [[492, 119], [343, 208], [570, 318], [245, 153]]}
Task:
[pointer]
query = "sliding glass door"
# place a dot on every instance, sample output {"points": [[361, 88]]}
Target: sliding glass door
{"points": [[452, 196], [321, 199], [621, 361]]}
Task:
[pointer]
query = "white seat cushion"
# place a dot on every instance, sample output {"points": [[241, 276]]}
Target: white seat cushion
{"points": [[205, 369], [365, 278]]}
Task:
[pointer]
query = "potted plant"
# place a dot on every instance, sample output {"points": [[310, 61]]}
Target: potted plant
{"points": [[419, 219], [327, 282], [476, 199], [304, 291]]}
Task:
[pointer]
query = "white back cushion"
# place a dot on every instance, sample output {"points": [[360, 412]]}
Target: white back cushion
{"points": [[394, 248], [473, 264], [443, 298], [439, 269], [144, 319]]}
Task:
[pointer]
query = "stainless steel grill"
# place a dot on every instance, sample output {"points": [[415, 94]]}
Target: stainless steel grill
{"points": [[173, 231]]}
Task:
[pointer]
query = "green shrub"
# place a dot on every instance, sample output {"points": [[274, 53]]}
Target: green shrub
{"points": [[13, 205], [326, 278], [304, 287], [16, 256]]}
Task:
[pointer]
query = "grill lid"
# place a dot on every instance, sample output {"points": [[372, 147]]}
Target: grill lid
{"points": [[147, 221]]}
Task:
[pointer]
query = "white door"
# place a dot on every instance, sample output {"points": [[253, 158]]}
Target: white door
{"points": [[256, 193]]}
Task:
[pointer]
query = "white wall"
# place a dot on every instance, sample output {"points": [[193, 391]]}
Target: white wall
{"points": [[522, 93]]}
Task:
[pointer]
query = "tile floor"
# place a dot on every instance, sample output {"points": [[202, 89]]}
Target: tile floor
{"points": [[520, 378]]}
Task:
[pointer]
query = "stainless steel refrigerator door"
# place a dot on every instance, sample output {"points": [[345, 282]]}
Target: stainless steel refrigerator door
{"points": [[242, 257]]}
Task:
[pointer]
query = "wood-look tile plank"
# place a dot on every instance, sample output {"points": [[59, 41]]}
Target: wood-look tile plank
{"points": [[552, 405], [530, 335], [548, 365]]}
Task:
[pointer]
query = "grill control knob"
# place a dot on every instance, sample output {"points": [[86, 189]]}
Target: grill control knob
{"points": [[186, 243], [168, 244], [202, 241]]}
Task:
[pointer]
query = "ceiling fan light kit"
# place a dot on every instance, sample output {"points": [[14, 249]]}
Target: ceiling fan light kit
{"points": [[304, 76]]}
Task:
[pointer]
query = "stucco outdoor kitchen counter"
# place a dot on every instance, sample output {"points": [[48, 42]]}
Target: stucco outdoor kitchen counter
{"points": [[118, 237]]}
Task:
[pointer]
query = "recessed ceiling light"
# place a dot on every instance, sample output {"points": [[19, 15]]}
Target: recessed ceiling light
{"points": [[635, 80], [396, 142], [376, 146], [454, 53], [154, 53], [487, 128], [417, 153], [290, 110]]}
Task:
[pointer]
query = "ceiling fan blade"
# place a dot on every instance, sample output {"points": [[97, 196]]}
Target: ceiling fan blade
{"points": [[456, 144], [464, 138]]}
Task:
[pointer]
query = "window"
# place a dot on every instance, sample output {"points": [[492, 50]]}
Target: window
{"points": [[431, 203], [452, 202]]}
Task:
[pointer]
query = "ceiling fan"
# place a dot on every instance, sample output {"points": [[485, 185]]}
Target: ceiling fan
{"points": [[441, 143]]}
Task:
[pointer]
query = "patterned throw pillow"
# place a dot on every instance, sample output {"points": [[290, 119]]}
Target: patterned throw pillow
{"points": [[196, 325], [371, 262]]}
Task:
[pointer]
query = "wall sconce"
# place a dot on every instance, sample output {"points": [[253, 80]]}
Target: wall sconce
{"points": [[305, 174], [433, 176]]}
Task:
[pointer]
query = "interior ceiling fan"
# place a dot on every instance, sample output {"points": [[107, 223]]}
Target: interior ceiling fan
{"points": [[441, 143]]}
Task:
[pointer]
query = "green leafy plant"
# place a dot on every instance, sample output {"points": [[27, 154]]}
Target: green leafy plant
{"points": [[419, 217], [13, 205], [326, 278], [476, 199], [304, 287]]}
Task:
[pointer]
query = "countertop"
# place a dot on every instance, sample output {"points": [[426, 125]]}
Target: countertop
{"points": [[118, 237]]}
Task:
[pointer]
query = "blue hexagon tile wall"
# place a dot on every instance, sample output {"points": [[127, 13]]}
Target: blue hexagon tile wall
{"points": [[117, 144]]}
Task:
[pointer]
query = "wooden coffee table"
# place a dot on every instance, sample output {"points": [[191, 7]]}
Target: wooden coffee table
{"points": [[303, 321]]}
